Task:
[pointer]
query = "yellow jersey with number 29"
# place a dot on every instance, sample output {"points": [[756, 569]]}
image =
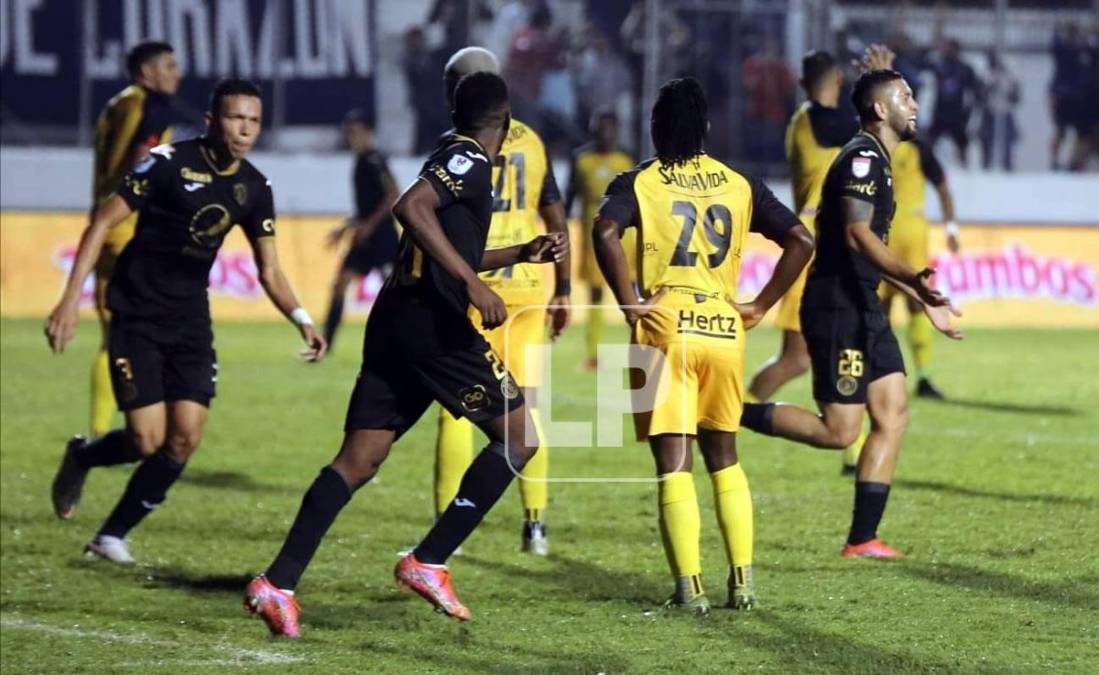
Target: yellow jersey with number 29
{"points": [[692, 221]]}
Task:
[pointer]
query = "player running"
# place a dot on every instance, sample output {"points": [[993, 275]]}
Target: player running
{"points": [[163, 364], [855, 358], [594, 164], [524, 190], [693, 214], [135, 120], [421, 346], [914, 165], [371, 231]]}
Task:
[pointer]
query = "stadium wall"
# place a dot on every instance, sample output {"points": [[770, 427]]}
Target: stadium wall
{"points": [[1006, 275]]}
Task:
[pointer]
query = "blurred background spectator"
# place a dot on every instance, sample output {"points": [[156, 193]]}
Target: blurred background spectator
{"points": [[998, 130], [956, 92]]}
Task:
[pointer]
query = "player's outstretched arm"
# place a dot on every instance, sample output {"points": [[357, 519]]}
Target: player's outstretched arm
{"points": [[61, 324], [415, 210], [546, 248], [278, 289]]}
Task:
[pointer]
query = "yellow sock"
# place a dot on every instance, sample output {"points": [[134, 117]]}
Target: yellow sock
{"points": [[920, 333], [596, 323], [453, 455], [103, 403], [852, 452], [533, 488], [733, 501], [680, 524]]}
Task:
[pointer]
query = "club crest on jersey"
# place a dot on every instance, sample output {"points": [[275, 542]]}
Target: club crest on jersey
{"points": [[240, 193], [459, 165], [860, 166]]}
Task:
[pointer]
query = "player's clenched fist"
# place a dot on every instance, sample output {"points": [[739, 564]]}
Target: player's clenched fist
{"points": [[492, 309]]}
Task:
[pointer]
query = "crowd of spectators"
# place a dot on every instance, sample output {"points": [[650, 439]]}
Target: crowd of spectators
{"points": [[565, 59]]}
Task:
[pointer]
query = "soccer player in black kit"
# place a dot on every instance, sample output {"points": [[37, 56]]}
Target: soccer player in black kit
{"points": [[373, 236], [855, 358], [421, 347], [163, 365]]}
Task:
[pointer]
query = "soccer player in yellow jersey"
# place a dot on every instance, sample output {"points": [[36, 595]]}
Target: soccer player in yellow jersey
{"points": [[594, 164], [693, 214], [817, 131], [524, 190], [134, 121], [914, 166]]}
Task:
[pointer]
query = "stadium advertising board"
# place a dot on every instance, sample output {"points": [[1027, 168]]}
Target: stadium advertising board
{"points": [[1005, 275], [321, 52]]}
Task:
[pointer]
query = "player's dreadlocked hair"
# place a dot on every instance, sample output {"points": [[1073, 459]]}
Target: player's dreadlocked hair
{"points": [[480, 101], [679, 122]]}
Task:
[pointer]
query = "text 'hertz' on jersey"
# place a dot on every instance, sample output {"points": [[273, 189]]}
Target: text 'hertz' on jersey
{"points": [[523, 182], [840, 277], [813, 140], [692, 221], [460, 173], [187, 207]]}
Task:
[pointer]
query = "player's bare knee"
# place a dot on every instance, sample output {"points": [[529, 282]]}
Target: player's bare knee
{"points": [[146, 441], [182, 444]]}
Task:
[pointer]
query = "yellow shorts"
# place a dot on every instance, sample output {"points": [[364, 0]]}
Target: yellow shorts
{"points": [[788, 316], [908, 237], [524, 325], [589, 266], [117, 238], [698, 363]]}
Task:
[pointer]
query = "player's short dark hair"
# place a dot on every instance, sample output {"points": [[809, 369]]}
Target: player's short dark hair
{"points": [[360, 117], [815, 65], [600, 115], [679, 122], [232, 87], [480, 101], [866, 89], [142, 53]]}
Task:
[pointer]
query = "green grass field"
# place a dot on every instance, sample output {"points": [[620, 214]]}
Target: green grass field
{"points": [[995, 504]]}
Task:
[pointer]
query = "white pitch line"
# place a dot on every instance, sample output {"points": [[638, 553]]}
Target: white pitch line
{"points": [[238, 656]]}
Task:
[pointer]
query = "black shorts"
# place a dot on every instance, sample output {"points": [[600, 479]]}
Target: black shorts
{"points": [[153, 362], [848, 351], [416, 352]]}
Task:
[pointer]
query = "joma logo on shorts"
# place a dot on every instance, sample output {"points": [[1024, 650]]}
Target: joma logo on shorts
{"points": [[710, 325]]}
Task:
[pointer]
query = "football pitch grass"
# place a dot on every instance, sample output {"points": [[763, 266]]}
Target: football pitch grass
{"points": [[995, 504]]}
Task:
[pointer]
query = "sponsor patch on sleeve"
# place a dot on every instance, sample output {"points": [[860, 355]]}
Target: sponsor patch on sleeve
{"points": [[459, 165], [860, 166]]}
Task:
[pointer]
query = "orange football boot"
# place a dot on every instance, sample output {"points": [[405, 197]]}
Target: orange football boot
{"points": [[278, 609], [875, 548], [432, 583]]}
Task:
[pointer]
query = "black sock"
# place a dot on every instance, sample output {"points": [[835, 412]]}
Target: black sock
{"points": [[113, 447], [486, 479], [323, 501], [759, 417], [870, 501], [146, 490], [332, 322]]}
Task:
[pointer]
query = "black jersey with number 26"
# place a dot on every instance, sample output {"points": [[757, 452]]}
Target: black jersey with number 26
{"points": [[840, 277], [187, 207]]}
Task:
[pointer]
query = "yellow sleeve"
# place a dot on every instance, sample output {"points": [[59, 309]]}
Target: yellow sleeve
{"points": [[115, 143]]}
